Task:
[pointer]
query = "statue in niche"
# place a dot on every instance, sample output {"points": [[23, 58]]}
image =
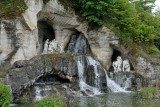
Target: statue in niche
{"points": [[50, 47], [61, 48], [117, 65], [45, 50], [126, 66], [54, 42], [54, 45]]}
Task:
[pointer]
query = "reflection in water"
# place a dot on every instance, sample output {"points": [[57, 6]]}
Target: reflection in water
{"points": [[111, 100], [114, 100]]}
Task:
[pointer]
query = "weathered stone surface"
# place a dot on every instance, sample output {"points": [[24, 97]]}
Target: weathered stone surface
{"points": [[21, 63], [61, 65], [148, 70], [100, 44], [91, 78]]}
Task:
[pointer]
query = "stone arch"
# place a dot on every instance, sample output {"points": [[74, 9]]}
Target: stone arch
{"points": [[26, 72], [45, 31], [50, 78]]}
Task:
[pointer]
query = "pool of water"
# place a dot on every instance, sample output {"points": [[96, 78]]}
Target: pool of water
{"points": [[110, 100]]}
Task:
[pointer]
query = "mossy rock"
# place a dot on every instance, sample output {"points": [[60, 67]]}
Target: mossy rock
{"points": [[11, 9], [149, 92]]}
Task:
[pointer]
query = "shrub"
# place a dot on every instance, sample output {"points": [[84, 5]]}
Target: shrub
{"points": [[153, 50], [5, 96], [52, 101], [148, 92]]}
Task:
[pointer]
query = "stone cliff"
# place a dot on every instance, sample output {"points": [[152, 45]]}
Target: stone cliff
{"points": [[23, 38], [26, 72]]}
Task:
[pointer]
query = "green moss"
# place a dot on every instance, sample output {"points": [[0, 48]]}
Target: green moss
{"points": [[153, 50], [22, 100], [2, 72], [148, 92], [56, 100], [52, 57], [12, 8]]}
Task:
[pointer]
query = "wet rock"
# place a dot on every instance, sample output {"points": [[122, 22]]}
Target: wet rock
{"points": [[19, 79], [21, 63]]}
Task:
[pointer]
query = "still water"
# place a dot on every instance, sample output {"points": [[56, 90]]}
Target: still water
{"points": [[110, 100]]}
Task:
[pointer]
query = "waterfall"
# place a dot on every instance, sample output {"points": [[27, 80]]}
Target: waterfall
{"points": [[127, 83], [95, 63], [113, 86], [95, 88], [84, 87], [78, 45], [92, 77]]}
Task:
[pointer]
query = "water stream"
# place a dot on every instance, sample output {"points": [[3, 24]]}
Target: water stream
{"points": [[93, 81]]}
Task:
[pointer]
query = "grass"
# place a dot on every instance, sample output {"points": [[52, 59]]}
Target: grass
{"points": [[149, 92], [56, 100]]}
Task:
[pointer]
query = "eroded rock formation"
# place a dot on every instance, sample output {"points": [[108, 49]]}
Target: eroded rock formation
{"points": [[25, 73]]}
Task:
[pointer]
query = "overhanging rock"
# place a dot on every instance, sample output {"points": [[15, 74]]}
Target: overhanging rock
{"points": [[62, 65]]}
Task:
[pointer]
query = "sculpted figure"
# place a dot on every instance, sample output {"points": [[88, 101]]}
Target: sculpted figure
{"points": [[50, 48], [55, 44], [126, 66], [117, 64], [61, 48], [45, 50]]}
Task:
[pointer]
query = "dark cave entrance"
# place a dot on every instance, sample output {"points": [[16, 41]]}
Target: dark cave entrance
{"points": [[50, 79], [45, 31], [115, 54]]}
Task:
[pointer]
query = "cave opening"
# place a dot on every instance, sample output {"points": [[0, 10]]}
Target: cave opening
{"points": [[115, 54], [50, 79], [45, 31]]}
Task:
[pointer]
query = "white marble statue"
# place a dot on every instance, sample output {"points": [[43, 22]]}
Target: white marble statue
{"points": [[117, 65], [45, 50], [50, 47], [126, 66], [55, 44], [61, 48]]}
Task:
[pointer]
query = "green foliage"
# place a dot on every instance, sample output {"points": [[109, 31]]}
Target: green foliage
{"points": [[93, 10], [52, 101], [148, 92], [134, 20], [12, 8], [153, 50], [5, 96]]}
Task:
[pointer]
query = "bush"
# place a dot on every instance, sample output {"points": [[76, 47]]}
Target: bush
{"points": [[94, 11], [153, 50], [148, 92], [52, 101], [5, 96]]}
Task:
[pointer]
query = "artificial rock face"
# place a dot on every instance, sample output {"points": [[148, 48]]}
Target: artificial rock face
{"points": [[27, 42]]}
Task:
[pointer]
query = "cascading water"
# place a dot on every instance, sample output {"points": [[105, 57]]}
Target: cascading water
{"points": [[113, 86], [92, 77], [89, 90]]}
